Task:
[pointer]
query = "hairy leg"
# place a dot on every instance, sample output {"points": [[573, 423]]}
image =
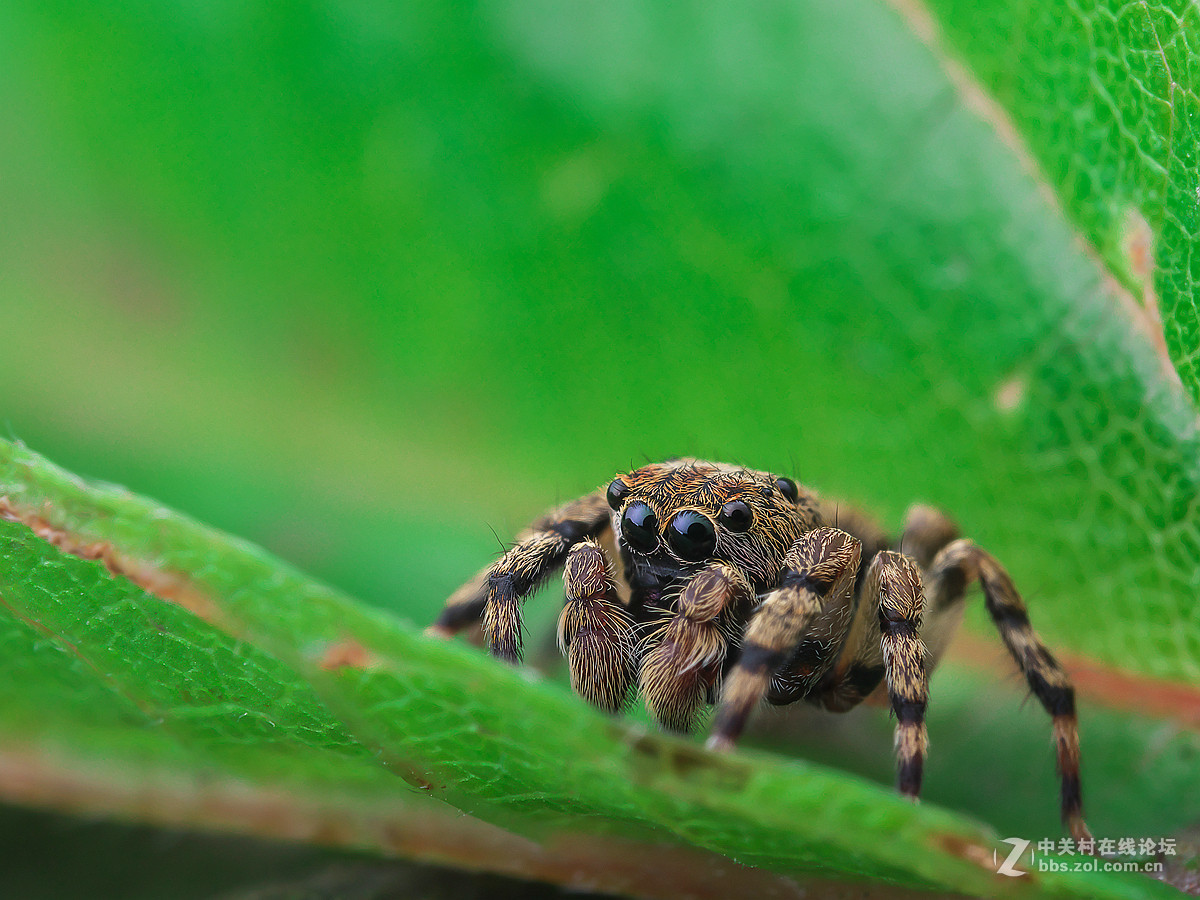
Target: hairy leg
{"points": [[926, 531], [495, 594], [893, 587], [688, 651], [860, 669], [884, 643], [821, 565], [954, 568], [595, 632]]}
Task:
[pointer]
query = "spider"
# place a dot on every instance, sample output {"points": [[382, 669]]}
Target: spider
{"points": [[697, 583]]}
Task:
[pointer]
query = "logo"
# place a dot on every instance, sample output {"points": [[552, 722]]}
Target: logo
{"points": [[1008, 867]]}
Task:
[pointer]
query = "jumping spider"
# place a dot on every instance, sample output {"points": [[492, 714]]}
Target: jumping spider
{"points": [[730, 586]]}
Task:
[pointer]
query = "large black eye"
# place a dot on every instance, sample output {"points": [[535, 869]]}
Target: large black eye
{"points": [[639, 527], [617, 491], [736, 516], [692, 536], [788, 488]]}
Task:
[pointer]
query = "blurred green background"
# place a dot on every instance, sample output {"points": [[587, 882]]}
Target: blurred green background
{"points": [[374, 284]]}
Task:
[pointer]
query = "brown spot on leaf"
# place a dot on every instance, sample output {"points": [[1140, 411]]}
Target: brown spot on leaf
{"points": [[1138, 242], [162, 583], [654, 754], [346, 654], [974, 853]]}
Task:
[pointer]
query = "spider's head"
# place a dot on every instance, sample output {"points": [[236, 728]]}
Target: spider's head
{"points": [[672, 518]]}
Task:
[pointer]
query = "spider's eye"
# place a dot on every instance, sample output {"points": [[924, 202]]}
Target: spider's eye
{"points": [[692, 536], [736, 516], [639, 527], [617, 491], [788, 488]]}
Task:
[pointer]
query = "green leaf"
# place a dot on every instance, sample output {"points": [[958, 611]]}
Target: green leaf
{"points": [[360, 283], [1104, 95], [510, 206], [248, 690]]}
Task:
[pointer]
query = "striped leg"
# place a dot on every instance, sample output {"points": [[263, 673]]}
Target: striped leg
{"points": [[884, 642], [926, 532], [861, 668], [689, 650], [812, 672], [822, 565], [893, 587], [842, 681], [953, 569], [496, 593], [595, 632]]}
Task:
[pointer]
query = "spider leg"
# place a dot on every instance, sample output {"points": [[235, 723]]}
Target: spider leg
{"points": [[952, 570], [463, 610], [820, 567], [884, 642], [690, 649], [495, 594], [926, 532], [595, 632], [812, 671], [893, 587], [816, 672], [860, 668]]}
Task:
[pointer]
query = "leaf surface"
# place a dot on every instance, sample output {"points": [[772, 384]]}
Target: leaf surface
{"points": [[247, 689], [1104, 95], [495, 253]]}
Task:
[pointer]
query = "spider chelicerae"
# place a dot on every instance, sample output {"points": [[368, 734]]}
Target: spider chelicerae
{"points": [[694, 582]]}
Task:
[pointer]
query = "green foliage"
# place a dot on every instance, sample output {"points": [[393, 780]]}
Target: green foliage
{"points": [[113, 672], [522, 246], [374, 284], [1105, 95]]}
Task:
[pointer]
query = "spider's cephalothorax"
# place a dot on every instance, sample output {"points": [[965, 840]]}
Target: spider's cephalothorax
{"points": [[694, 582]]}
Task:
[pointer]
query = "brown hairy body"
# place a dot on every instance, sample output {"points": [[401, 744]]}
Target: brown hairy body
{"points": [[729, 586]]}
